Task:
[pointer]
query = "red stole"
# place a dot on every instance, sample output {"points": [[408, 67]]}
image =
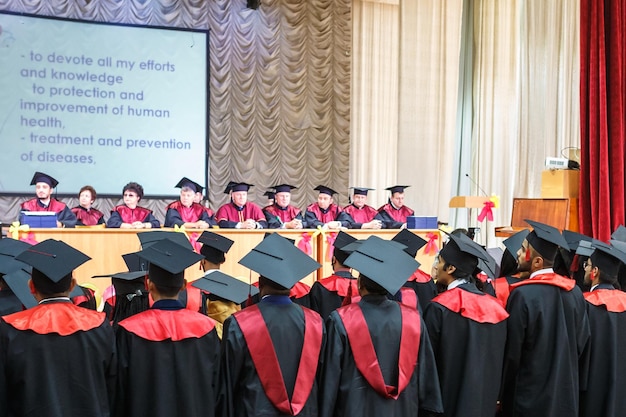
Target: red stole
{"points": [[481, 308], [266, 363], [502, 288], [128, 215], [325, 217], [189, 214], [365, 355], [364, 214], [398, 215], [340, 285], [548, 279], [87, 217], [613, 300], [158, 325], [420, 276], [299, 290], [63, 318], [229, 212], [286, 215], [409, 297], [33, 205]]}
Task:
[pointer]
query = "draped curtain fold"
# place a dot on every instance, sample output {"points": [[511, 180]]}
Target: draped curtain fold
{"points": [[603, 115]]}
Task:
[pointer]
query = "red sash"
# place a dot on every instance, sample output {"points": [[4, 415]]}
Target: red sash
{"points": [[341, 285], [266, 363], [502, 288], [613, 300], [548, 279], [129, 215], [54, 205], [189, 214], [420, 276], [365, 355], [194, 298], [481, 308], [409, 298]]}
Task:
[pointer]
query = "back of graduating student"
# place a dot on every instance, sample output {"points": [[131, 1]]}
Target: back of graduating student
{"points": [[56, 359], [271, 351], [168, 355], [467, 330], [378, 359]]}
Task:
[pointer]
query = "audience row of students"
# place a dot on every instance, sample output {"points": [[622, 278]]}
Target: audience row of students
{"points": [[238, 213]]}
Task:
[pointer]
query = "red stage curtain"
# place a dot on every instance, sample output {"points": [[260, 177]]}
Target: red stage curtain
{"points": [[603, 116]]}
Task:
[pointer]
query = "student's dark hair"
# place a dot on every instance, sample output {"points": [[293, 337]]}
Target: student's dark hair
{"points": [[133, 186], [166, 290], [508, 264], [47, 287], [371, 286], [273, 287]]}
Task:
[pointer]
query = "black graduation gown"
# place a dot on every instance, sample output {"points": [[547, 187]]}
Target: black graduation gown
{"points": [[468, 352], [60, 360], [425, 291], [604, 397], [241, 392], [547, 348], [344, 390], [168, 363], [9, 303], [325, 301]]}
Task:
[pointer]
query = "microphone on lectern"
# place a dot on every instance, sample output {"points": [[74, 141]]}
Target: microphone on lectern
{"points": [[476, 184]]}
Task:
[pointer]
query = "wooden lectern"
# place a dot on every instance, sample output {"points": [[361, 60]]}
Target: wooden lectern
{"points": [[561, 213], [470, 202]]}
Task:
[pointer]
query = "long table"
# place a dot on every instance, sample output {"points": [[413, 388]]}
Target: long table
{"points": [[106, 247]]}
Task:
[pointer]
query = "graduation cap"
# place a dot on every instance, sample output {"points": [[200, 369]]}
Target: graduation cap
{"points": [[226, 286], [168, 261], [467, 255], [150, 238], [397, 188], [41, 177], [17, 281], [132, 281], [384, 262], [13, 247], [53, 258], [546, 239], [607, 258], [584, 248], [325, 190], [573, 239], [237, 186], [276, 259], [214, 246], [270, 194], [284, 188], [341, 240], [619, 234], [186, 182], [412, 241], [361, 190], [9, 264], [514, 242], [266, 234]]}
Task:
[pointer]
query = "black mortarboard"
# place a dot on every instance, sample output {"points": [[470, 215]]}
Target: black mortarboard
{"points": [[573, 239], [41, 177], [325, 190], [284, 188], [546, 239], [266, 234], [276, 259], [514, 242], [13, 247], [361, 190], [215, 241], [607, 258], [397, 188], [9, 264], [463, 253], [132, 281], [383, 261], [237, 186], [150, 238], [270, 195], [186, 182], [17, 281], [226, 286], [168, 261], [409, 239], [53, 258], [619, 234], [341, 240]]}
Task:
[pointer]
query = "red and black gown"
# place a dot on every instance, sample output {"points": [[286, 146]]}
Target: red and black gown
{"points": [[315, 216], [124, 214], [361, 215], [328, 294], [229, 215], [394, 218], [88, 217], [276, 215], [176, 214], [64, 214]]}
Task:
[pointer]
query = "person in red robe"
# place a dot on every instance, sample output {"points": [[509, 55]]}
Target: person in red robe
{"points": [[85, 213], [185, 211], [130, 215], [364, 216], [44, 186], [281, 214], [394, 213], [239, 213], [325, 213]]}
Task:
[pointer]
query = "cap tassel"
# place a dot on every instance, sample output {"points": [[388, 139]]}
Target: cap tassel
{"points": [[348, 298]]}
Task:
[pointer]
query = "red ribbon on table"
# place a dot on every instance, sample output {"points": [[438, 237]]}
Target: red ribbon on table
{"points": [[486, 211], [330, 240], [431, 245], [193, 239], [304, 244]]}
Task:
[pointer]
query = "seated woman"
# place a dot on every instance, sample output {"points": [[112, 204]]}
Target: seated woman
{"points": [[186, 212], [85, 214], [129, 215]]}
